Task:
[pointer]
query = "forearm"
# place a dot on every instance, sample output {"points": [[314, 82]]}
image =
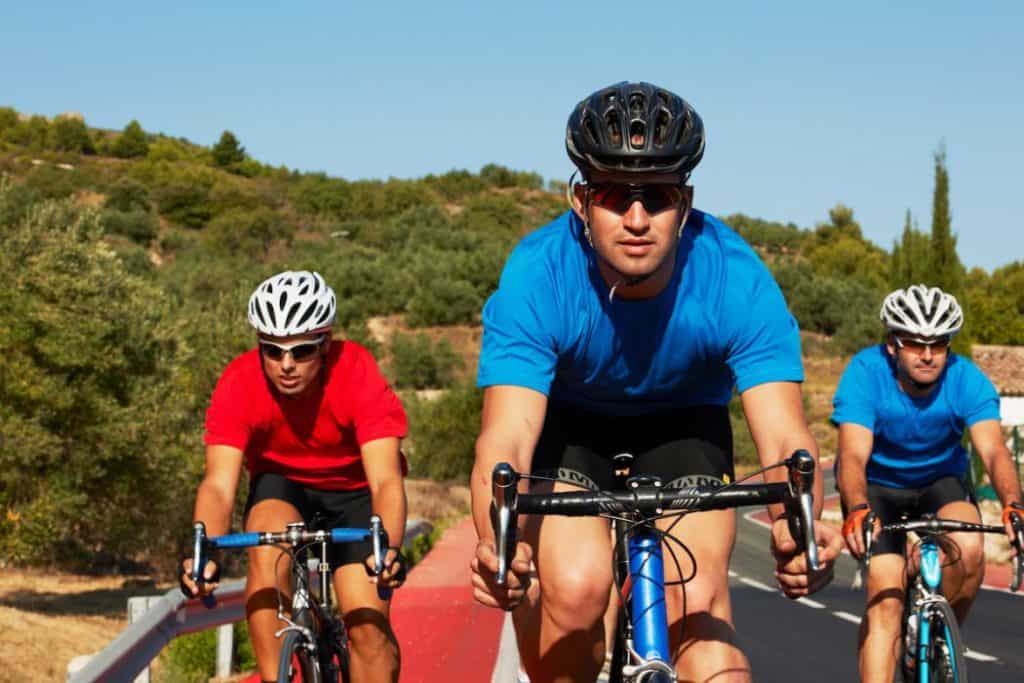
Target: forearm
{"points": [[853, 482], [490, 450], [1003, 474], [213, 507], [773, 456], [389, 502]]}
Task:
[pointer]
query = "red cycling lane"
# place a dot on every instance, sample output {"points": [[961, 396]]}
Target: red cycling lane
{"points": [[444, 634]]}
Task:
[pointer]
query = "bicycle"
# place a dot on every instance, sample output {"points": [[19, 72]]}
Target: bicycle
{"points": [[933, 650], [641, 646], [315, 647]]}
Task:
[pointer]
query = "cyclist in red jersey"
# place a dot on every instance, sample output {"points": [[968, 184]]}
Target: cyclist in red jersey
{"points": [[319, 431]]}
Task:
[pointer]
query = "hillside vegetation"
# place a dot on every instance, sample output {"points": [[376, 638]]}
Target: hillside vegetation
{"points": [[128, 257]]}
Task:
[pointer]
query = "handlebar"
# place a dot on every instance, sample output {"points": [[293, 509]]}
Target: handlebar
{"points": [[796, 493], [294, 536], [935, 525]]}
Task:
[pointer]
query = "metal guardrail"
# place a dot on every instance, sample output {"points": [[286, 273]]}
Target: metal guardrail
{"points": [[156, 620]]}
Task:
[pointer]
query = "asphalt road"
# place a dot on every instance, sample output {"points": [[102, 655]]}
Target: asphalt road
{"points": [[815, 639]]}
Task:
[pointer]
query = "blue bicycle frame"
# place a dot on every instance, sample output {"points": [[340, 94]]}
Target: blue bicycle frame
{"points": [[931, 576], [650, 618]]}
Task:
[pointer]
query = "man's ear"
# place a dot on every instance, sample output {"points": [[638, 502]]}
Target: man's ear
{"points": [[890, 345], [579, 199]]}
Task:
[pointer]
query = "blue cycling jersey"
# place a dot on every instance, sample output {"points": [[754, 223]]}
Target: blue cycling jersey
{"points": [[916, 440], [720, 322]]}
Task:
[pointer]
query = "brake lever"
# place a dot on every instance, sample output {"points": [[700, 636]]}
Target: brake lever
{"points": [[800, 505], [199, 560], [1018, 531], [868, 531], [379, 539], [503, 517]]}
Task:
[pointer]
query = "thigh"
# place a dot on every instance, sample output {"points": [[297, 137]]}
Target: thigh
{"points": [[273, 503], [696, 555], [688, 447], [358, 600]]}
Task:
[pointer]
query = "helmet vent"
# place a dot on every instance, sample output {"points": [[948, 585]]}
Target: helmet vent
{"points": [[661, 121], [636, 104], [637, 134], [614, 129]]}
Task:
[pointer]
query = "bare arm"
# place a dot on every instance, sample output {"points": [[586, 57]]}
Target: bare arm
{"points": [[215, 498], [777, 424], [775, 415], [382, 461], [855, 444], [987, 437], [510, 426]]}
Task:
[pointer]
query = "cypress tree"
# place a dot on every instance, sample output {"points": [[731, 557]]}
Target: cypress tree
{"points": [[946, 270]]}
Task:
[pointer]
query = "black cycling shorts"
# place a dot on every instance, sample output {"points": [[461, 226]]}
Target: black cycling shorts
{"points": [[890, 504], [685, 447], [319, 510]]}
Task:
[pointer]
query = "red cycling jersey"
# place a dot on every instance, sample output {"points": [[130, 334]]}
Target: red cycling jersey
{"points": [[315, 439]]}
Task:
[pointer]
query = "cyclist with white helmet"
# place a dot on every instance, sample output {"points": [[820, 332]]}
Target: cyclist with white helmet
{"points": [[624, 326], [319, 430], [902, 408]]}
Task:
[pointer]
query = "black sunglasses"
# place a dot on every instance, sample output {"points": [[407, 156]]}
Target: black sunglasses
{"points": [[618, 198], [301, 351]]}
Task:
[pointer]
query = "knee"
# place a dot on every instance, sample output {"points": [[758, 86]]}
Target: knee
{"points": [[972, 555], [370, 636], [576, 596], [884, 617], [700, 594]]}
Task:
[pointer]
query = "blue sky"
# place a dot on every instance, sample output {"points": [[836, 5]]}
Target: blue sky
{"points": [[805, 105]]}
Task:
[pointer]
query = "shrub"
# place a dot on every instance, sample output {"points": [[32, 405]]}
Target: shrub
{"points": [[228, 151], [127, 194], [419, 363], [138, 225], [249, 233], [444, 302], [70, 134], [444, 432]]}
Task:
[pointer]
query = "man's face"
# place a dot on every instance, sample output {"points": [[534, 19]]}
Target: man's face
{"points": [[292, 364], [922, 359], [633, 226]]}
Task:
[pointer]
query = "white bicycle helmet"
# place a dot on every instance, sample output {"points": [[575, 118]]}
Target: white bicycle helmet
{"points": [[922, 311], [292, 302]]}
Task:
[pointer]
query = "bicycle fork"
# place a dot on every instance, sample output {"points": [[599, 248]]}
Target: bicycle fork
{"points": [[931, 578]]}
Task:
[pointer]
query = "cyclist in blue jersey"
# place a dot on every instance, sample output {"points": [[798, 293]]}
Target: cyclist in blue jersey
{"points": [[624, 326], [902, 408]]}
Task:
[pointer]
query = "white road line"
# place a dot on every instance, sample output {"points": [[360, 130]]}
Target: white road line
{"points": [[980, 656], [732, 574], [757, 584], [810, 603], [846, 616]]}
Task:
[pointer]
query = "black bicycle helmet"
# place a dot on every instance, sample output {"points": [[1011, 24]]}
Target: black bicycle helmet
{"points": [[635, 128]]}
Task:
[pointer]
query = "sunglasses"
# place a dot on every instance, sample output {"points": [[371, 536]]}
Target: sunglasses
{"points": [[913, 345], [300, 351], [618, 198]]}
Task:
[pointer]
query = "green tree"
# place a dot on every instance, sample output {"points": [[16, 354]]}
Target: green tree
{"points": [[419, 363], [132, 142], [911, 256], [71, 135], [228, 151], [947, 271]]}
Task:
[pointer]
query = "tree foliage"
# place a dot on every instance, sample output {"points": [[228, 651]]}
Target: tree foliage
{"points": [[132, 142]]}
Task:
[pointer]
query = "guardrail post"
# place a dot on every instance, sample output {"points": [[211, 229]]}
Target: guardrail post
{"points": [[225, 645], [138, 606]]}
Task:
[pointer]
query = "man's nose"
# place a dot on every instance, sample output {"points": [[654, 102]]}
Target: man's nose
{"points": [[636, 216]]}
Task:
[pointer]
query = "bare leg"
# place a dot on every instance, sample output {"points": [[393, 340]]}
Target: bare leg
{"points": [[373, 648], [879, 636]]}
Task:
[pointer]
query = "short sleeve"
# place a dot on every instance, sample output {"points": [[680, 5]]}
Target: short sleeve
{"points": [[227, 419], [978, 397], [855, 400], [762, 337], [377, 412], [519, 346]]}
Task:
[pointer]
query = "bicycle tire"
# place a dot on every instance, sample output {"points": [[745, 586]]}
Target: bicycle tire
{"points": [[946, 650], [296, 665]]}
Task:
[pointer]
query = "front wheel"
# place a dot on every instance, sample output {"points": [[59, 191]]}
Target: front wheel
{"points": [[946, 650], [297, 664]]}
